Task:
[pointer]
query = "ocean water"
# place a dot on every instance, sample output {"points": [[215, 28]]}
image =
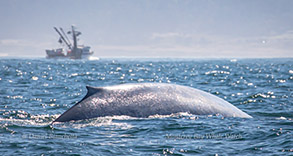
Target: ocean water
{"points": [[34, 92]]}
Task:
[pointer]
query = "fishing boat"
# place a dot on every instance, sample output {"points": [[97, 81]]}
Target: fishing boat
{"points": [[72, 51]]}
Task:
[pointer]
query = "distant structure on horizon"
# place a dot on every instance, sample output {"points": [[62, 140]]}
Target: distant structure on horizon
{"points": [[72, 51]]}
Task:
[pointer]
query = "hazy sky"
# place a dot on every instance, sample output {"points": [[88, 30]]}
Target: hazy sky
{"points": [[151, 28]]}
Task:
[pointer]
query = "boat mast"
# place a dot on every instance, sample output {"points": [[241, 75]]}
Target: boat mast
{"points": [[67, 39], [61, 36], [74, 38], [75, 50]]}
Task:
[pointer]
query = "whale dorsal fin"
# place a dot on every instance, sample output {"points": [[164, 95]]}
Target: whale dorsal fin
{"points": [[91, 91]]}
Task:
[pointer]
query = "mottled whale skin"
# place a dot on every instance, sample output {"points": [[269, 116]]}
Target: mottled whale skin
{"points": [[146, 99]]}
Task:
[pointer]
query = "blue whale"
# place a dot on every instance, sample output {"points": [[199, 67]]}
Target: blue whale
{"points": [[146, 99]]}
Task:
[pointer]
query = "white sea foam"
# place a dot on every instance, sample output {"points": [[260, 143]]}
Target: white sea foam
{"points": [[93, 58]]}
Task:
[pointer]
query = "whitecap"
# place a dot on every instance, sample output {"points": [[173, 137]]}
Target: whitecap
{"points": [[281, 118]]}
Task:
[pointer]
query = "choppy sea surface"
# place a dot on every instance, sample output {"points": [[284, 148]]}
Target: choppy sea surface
{"points": [[34, 92]]}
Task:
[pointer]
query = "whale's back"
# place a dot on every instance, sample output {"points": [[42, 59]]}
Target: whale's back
{"points": [[145, 99]]}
